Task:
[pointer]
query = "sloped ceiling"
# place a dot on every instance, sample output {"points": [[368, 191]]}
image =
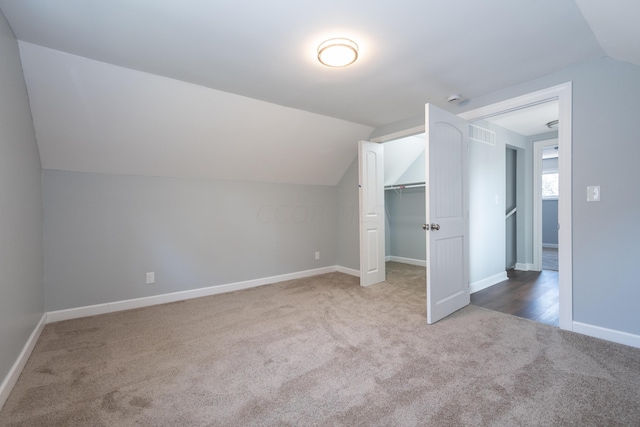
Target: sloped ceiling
{"points": [[410, 53], [97, 117], [399, 155], [615, 25]]}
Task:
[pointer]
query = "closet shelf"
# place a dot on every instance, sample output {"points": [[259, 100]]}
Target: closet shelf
{"points": [[404, 186]]}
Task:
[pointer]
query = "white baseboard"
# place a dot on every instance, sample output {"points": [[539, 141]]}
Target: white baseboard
{"points": [[550, 245], [524, 267], [13, 375], [607, 334], [489, 281], [110, 307], [349, 271], [410, 261], [387, 259]]}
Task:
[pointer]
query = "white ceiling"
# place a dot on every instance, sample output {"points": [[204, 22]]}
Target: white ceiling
{"points": [[615, 25], [233, 55], [411, 52], [528, 121]]}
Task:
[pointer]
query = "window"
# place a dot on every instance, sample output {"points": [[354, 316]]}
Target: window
{"points": [[550, 185]]}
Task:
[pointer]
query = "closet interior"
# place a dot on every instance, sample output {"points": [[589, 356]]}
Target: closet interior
{"points": [[404, 181]]}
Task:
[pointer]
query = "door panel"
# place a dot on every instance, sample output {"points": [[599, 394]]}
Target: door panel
{"points": [[447, 208], [372, 241]]}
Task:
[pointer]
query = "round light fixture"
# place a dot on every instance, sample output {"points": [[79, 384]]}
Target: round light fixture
{"points": [[338, 52], [552, 124]]}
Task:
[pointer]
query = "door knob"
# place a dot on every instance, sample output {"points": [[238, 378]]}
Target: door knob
{"points": [[425, 227], [435, 227]]}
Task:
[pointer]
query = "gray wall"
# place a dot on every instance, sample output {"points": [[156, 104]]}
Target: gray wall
{"points": [[405, 211], [21, 264], [550, 222], [605, 111], [102, 234], [406, 214], [487, 204]]}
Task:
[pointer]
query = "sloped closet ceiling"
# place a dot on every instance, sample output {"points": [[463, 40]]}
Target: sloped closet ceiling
{"points": [[95, 117]]}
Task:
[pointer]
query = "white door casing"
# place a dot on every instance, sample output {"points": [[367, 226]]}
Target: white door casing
{"points": [[371, 200], [447, 200]]}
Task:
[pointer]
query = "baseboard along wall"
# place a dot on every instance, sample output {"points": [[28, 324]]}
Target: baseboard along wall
{"points": [[612, 335], [411, 261], [487, 282], [523, 267], [110, 307], [74, 313], [13, 375]]}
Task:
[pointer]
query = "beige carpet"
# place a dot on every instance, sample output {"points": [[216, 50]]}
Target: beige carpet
{"points": [[322, 351]]}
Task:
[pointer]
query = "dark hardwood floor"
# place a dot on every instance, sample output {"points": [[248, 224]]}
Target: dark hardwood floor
{"points": [[532, 295]]}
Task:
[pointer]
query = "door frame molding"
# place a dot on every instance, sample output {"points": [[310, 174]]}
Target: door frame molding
{"points": [[563, 93]]}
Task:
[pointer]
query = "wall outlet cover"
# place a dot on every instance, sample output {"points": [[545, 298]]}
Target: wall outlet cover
{"points": [[593, 193]]}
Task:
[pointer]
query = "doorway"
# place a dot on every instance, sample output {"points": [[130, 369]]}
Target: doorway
{"points": [[562, 93], [404, 197], [529, 262], [531, 295]]}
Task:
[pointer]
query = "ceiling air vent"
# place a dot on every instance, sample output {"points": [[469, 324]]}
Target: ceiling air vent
{"points": [[478, 134]]}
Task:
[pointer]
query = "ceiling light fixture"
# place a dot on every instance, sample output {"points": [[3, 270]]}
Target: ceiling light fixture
{"points": [[338, 52], [552, 124]]}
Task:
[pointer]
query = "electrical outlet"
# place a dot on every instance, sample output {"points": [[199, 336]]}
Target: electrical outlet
{"points": [[151, 278], [593, 193], [317, 256]]}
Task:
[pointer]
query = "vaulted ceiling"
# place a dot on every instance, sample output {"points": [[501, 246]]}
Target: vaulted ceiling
{"points": [[256, 55]]}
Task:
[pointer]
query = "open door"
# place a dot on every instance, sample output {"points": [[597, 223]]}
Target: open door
{"points": [[371, 183], [447, 219]]}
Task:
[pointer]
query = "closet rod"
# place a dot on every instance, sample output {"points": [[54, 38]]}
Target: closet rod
{"points": [[403, 186]]}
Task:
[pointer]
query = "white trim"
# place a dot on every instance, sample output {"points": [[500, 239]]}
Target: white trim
{"points": [[607, 334], [550, 245], [387, 258], [523, 267], [410, 261], [15, 371], [517, 103], [563, 93], [400, 134], [110, 307], [349, 271], [487, 282]]}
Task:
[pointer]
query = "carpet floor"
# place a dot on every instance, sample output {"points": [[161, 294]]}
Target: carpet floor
{"points": [[321, 351]]}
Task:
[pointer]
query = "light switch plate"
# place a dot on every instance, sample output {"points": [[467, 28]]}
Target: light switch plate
{"points": [[593, 193]]}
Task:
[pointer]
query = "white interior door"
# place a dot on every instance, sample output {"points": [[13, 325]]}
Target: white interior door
{"points": [[447, 199], [371, 183]]}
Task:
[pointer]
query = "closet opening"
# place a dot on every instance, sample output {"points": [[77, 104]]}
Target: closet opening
{"points": [[404, 201]]}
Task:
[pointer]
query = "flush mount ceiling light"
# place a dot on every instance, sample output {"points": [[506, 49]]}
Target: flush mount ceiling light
{"points": [[552, 124], [338, 52]]}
